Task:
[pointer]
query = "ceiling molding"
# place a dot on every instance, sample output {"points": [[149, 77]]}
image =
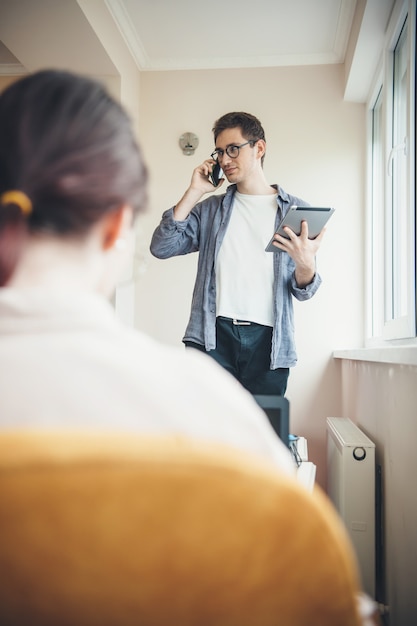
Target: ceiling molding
{"points": [[12, 69], [346, 14], [242, 62], [124, 23]]}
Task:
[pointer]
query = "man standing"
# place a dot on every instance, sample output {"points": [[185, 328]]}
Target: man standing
{"points": [[242, 311]]}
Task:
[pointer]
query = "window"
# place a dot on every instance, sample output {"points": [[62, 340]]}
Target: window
{"points": [[391, 219]]}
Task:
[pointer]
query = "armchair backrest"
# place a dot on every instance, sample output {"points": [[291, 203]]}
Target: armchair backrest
{"points": [[126, 530]]}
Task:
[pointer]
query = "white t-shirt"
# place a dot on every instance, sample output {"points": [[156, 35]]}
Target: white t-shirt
{"points": [[66, 361], [244, 271]]}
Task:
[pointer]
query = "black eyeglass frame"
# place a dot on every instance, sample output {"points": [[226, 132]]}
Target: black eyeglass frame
{"points": [[218, 152]]}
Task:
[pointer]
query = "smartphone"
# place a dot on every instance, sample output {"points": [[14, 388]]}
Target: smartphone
{"points": [[216, 175]]}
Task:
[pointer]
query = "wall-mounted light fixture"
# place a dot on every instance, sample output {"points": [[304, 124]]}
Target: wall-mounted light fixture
{"points": [[188, 143]]}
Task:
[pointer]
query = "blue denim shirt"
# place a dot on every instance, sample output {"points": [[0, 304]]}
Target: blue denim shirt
{"points": [[203, 232]]}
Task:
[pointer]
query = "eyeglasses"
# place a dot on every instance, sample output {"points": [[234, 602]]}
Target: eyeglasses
{"points": [[231, 151]]}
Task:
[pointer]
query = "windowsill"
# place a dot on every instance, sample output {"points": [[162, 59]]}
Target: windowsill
{"points": [[400, 355]]}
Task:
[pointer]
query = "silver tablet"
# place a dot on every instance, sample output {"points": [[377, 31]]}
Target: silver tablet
{"points": [[316, 218]]}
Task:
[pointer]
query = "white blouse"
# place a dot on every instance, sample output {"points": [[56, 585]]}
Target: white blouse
{"points": [[66, 361]]}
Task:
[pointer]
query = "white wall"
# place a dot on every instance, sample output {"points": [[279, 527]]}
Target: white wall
{"points": [[382, 399], [124, 85], [315, 149]]}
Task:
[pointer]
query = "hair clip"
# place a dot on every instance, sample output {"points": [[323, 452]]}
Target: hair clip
{"points": [[19, 198]]}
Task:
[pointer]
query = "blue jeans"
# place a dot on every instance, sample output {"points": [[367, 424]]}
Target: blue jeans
{"points": [[244, 350]]}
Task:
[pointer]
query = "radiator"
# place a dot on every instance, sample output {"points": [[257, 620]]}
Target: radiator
{"points": [[351, 487]]}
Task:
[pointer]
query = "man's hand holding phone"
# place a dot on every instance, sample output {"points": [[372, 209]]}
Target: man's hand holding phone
{"points": [[206, 176]]}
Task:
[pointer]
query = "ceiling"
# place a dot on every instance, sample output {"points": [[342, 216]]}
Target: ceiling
{"points": [[187, 34], [91, 36]]}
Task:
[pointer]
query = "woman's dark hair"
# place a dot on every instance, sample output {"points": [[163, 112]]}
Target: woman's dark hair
{"points": [[69, 147], [250, 126]]}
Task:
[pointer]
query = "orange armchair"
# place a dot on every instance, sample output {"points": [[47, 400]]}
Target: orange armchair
{"points": [[126, 530]]}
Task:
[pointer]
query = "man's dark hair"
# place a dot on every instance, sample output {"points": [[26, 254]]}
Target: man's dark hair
{"points": [[250, 126]]}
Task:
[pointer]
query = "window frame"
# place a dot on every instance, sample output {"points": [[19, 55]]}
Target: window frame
{"points": [[380, 282]]}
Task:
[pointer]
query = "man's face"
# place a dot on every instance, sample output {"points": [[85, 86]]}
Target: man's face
{"points": [[240, 168]]}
